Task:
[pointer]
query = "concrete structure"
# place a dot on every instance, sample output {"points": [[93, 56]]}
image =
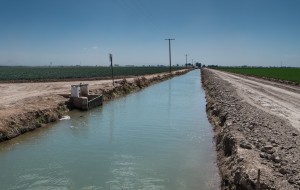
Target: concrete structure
{"points": [[84, 89], [75, 91], [81, 99], [79, 90]]}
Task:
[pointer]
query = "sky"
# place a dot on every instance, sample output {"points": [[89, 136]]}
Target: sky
{"points": [[84, 32]]}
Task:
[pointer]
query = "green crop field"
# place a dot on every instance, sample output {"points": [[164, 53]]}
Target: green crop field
{"points": [[59, 73], [288, 74]]}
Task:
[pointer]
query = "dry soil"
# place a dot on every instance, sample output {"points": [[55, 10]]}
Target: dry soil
{"points": [[256, 125]]}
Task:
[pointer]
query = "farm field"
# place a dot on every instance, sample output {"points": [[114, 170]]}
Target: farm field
{"points": [[288, 74], [19, 73]]}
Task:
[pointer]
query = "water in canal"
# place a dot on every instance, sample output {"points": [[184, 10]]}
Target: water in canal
{"points": [[156, 139]]}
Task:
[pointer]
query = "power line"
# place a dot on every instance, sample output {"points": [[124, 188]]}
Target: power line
{"points": [[170, 52]]}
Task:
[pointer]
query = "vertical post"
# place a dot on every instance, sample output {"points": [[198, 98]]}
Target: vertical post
{"points": [[258, 180], [112, 68], [170, 52], [186, 60]]}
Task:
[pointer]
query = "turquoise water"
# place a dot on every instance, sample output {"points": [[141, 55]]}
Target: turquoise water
{"points": [[158, 138]]}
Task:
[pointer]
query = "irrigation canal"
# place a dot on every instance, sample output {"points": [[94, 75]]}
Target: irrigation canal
{"points": [[158, 138]]}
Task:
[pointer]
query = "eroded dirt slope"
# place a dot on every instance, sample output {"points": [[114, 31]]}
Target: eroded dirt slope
{"points": [[256, 129]]}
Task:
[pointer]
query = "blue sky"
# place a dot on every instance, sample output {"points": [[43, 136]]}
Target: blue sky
{"points": [[72, 32]]}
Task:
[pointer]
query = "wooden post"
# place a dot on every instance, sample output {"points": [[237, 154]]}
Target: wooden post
{"points": [[170, 54], [258, 180], [112, 68]]}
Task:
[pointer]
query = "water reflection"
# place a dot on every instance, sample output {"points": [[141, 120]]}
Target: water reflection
{"points": [[169, 102]]}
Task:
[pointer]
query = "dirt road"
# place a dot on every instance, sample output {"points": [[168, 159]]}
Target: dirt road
{"points": [[13, 92], [256, 124], [278, 99]]}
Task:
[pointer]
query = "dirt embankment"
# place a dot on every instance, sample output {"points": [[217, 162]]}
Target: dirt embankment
{"points": [[27, 106], [249, 139]]}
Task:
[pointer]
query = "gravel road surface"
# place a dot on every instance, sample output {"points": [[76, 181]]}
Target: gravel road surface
{"points": [[278, 99]]}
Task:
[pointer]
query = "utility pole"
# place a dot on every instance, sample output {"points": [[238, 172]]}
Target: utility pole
{"points": [[186, 60], [170, 52], [112, 68]]}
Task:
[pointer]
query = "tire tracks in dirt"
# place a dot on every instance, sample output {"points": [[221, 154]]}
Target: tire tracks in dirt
{"points": [[277, 99]]}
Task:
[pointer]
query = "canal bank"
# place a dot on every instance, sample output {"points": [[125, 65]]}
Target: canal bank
{"points": [[157, 138], [254, 147], [37, 111]]}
